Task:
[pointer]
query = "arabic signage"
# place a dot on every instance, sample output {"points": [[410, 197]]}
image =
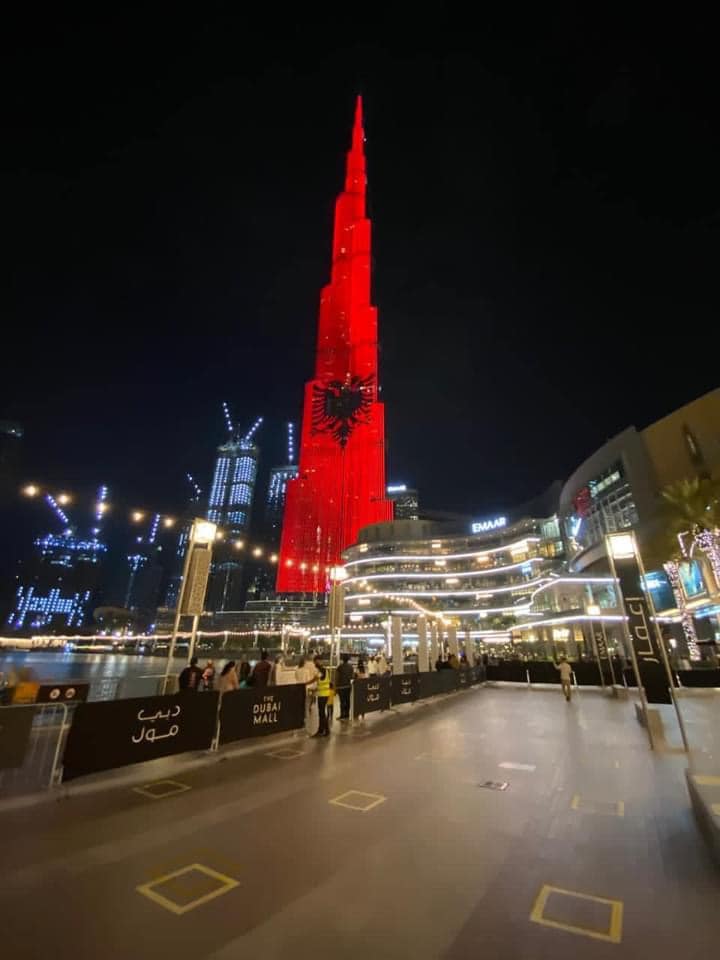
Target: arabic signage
{"points": [[15, 727], [405, 688], [257, 712], [371, 695], [115, 733], [482, 526], [643, 632]]}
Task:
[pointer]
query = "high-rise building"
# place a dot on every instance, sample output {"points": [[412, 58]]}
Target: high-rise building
{"points": [[59, 591], [277, 491], [405, 500], [146, 572], [340, 485], [193, 509], [230, 507]]}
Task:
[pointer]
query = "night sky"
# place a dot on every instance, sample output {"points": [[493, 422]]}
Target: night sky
{"points": [[544, 197]]}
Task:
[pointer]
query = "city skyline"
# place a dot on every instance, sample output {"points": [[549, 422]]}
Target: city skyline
{"points": [[529, 250]]}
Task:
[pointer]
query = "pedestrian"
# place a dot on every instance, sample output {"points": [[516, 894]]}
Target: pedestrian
{"points": [[244, 674], [382, 665], [262, 671], [331, 704], [229, 679], [453, 662], [209, 676], [191, 676], [323, 693], [372, 667], [565, 671], [361, 674], [343, 684], [276, 671]]}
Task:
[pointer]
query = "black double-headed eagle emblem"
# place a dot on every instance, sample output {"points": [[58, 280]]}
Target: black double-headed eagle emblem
{"points": [[339, 406]]}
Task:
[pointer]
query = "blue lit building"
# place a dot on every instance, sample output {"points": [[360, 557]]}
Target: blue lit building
{"points": [[230, 506], [277, 490], [193, 509], [59, 591]]}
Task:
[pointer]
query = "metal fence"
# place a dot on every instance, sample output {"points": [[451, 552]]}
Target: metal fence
{"points": [[41, 764]]}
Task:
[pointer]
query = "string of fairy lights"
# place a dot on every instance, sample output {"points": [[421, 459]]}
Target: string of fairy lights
{"points": [[57, 500]]}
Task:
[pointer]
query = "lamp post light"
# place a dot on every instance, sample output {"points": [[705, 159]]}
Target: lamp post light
{"points": [[193, 584], [336, 610], [649, 656]]}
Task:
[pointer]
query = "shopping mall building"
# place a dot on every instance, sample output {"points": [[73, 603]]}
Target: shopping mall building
{"points": [[535, 580]]}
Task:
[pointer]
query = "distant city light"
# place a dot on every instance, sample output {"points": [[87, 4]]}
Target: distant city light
{"points": [[137, 516], [31, 490], [168, 522], [63, 499]]}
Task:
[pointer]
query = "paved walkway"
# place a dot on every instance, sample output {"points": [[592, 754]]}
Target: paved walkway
{"points": [[273, 856]]}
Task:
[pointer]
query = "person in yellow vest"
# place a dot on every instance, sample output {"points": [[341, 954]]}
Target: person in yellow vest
{"points": [[323, 695]]}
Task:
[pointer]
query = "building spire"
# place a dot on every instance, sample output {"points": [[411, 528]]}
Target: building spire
{"points": [[355, 176]]}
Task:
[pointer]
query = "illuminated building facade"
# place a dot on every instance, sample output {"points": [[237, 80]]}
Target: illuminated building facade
{"points": [[619, 488], [500, 581], [192, 511], [405, 500], [60, 590], [277, 492], [230, 506], [340, 486]]}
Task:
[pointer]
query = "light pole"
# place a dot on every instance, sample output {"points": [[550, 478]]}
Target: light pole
{"points": [[649, 656], [336, 610], [191, 596]]}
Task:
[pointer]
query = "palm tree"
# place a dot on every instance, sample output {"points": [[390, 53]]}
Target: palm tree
{"points": [[692, 515], [692, 508]]}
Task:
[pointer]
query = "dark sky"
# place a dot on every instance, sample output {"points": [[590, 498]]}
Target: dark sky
{"points": [[544, 197]]}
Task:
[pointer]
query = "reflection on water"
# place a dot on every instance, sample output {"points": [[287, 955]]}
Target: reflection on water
{"points": [[48, 665]]}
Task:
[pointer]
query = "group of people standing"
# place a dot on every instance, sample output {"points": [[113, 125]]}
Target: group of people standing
{"points": [[233, 676], [310, 671]]}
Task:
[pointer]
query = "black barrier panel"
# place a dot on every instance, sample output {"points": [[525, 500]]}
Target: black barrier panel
{"points": [[587, 673], [258, 712], [371, 695], [62, 692], [405, 688], [465, 678], [437, 682], [15, 727], [115, 733], [699, 678], [509, 671], [542, 671]]}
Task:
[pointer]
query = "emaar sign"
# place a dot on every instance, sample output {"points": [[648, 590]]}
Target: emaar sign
{"points": [[482, 526]]}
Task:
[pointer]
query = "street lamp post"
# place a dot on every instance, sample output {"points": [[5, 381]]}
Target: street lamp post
{"points": [[649, 656], [336, 610], [191, 596]]}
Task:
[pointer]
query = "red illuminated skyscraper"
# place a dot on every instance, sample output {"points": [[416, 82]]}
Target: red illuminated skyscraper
{"points": [[341, 476]]}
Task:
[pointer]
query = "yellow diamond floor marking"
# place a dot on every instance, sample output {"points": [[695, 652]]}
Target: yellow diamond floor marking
{"points": [[285, 754], [353, 800], [617, 807], [704, 780], [147, 790], [148, 889], [612, 935]]}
